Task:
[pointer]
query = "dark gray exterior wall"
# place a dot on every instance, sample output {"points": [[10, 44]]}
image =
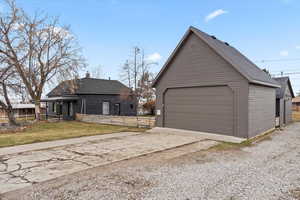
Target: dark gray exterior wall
{"points": [[196, 64], [94, 104], [262, 103], [128, 106]]}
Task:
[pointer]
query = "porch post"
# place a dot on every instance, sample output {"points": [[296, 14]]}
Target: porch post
{"points": [[46, 110]]}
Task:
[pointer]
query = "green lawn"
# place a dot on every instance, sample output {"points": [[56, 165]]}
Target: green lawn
{"points": [[48, 131]]}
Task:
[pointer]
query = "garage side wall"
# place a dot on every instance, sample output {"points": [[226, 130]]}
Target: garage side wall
{"points": [[281, 112], [261, 109], [196, 64], [288, 106]]}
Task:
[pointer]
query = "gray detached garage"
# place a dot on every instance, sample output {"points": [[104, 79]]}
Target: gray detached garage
{"points": [[206, 85], [284, 96]]}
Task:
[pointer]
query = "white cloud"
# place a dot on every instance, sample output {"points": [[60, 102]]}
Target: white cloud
{"points": [[154, 57], [215, 14], [284, 53], [298, 47]]}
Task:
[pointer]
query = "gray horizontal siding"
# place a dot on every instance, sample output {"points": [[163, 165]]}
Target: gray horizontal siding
{"points": [[261, 109]]}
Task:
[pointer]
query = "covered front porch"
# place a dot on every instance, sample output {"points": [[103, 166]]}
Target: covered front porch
{"points": [[61, 107]]}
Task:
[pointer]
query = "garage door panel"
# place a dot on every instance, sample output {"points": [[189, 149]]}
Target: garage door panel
{"points": [[207, 109]]}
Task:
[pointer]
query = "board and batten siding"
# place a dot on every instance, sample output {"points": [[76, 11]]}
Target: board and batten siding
{"points": [[196, 64], [262, 102]]}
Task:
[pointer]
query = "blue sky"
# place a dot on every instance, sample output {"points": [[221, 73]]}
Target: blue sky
{"points": [[108, 29]]}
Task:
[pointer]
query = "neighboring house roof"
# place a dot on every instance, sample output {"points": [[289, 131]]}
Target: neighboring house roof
{"points": [[242, 64], [284, 82], [88, 86], [296, 100], [60, 98]]}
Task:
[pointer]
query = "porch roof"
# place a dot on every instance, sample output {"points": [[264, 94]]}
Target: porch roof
{"points": [[69, 98]]}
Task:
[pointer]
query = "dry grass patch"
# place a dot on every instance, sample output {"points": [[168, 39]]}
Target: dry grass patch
{"points": [[223, 146], [49, 131], [296, 193]]}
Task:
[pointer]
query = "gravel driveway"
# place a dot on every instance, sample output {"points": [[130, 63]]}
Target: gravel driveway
{"points": [[267, 170]]}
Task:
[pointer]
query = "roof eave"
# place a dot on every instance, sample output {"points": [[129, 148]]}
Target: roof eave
{"points": [[291, 88], [265, 83]]}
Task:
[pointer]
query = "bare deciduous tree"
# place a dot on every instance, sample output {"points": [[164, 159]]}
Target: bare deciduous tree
{"points": [[136, 74], [39, 48], [9, 85], [145, 90], [126, 74]]}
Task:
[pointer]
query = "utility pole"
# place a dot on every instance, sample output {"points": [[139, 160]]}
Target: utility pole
{"points": [[128, 73], [136, 52]]}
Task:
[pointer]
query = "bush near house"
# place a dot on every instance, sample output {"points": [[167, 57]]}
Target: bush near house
{"points": [[150, 107]]}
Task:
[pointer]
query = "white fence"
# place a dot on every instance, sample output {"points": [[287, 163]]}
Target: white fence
{"points": [[133, 121], [4, 118]]}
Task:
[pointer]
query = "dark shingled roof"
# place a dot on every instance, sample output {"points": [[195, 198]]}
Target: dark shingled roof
{"points": [[284, 82], [88, 86], [241, 63]]}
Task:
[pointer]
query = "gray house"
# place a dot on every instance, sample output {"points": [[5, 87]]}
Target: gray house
{"points": [[90, 96], [207, 85], [284, 96]]}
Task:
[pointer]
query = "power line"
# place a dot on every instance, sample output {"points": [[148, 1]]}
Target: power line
{"points": [[277, 60], [287, 73]]}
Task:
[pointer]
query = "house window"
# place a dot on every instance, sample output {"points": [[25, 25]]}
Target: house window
{"points": [[131, 106]]}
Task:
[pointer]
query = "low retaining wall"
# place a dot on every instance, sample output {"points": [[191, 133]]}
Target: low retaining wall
{"points": [[134, 121]]}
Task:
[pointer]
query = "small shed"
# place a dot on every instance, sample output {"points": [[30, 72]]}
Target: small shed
{"points": [[207, 85], [284, 96], [296, 104]]}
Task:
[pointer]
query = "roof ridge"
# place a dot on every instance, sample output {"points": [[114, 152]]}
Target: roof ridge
{"points": [[231, 61]]}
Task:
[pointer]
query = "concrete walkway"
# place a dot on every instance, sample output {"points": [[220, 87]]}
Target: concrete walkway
{"points": [[25, 165], [57, 143], [209, 136]]}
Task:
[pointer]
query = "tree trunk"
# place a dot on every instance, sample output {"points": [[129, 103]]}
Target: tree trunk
{"points": [[37, 111], [11, 117], [8, 107]]}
